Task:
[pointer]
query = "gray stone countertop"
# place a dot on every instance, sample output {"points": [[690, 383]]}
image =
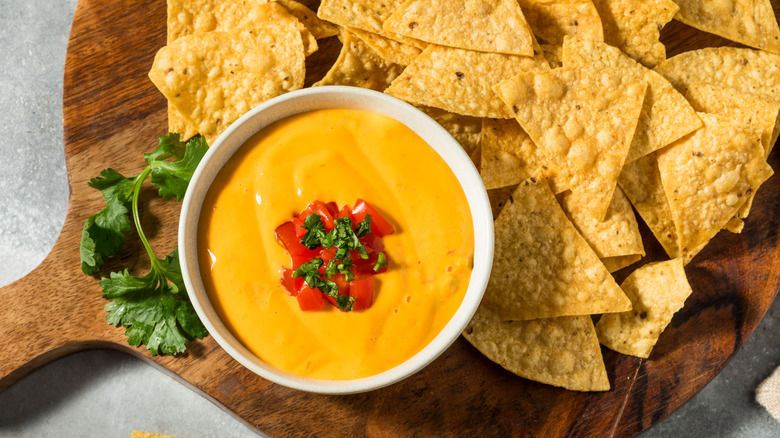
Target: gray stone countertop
{"points": [[107, 393]]}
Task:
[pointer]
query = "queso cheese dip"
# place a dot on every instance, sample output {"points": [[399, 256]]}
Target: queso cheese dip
{"points": [[336, 155]]}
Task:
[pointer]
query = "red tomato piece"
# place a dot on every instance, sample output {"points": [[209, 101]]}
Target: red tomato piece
{"points": [[379, 225], [292, 285], [327, 254], [344, 212], [285, 234], [343, 288], [299, 230], [363, 291], [333, 208], [310, 299], [298, 260], [319, 207]]}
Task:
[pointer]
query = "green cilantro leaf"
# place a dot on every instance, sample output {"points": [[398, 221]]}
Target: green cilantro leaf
{"points": [[103, 234], [381, 262], [315, 232], [171, 178], [345, 302], [364, 227], [168, 146]]}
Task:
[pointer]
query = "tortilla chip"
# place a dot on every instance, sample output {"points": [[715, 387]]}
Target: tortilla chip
{"points": [[553, 55], [583, 119], [465, 129], [496, 26], [747, 70], [641, 183], [666, 116], [614, 264], [554, 19], [617, 235], [742, 107], [657, 291], [186, 17], [499, 197], [204, 74], [319, 28], [708, 175], [393, 51], [735, 225], [562, 351], [459, 81], [368, 15], [177, 124], [737, 105], [635, 27], [542, 267], [750, 22], [509, 156], [359, 66]]}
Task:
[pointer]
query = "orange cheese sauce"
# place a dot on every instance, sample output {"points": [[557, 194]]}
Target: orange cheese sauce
{"points": [[336, 155]]}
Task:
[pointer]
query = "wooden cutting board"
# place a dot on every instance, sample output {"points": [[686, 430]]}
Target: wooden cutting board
{"points": [[113, 114]]}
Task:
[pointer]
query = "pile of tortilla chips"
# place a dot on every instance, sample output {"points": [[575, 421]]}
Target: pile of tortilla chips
{"points": [[574, 117]]}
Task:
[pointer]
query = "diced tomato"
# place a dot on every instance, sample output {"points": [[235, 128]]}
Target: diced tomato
{"points": [[327, 254], [285, 234], [372, 243], [299, 230], [319, 207], [333, 208], [292, 285], [310, 299], [363, 291], [379, 225], [366, 266], [298, 260], [344, 212]]}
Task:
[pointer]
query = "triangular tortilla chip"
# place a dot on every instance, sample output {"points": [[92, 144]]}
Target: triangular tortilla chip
{"points": [[553, 54], [742, 107], [583, 119], [748, 70], [359, 66], [367, 15], [496, 26], [657, 291], [666, 116], [635, 27], [750, 22], [562, 351], [459, 81], [641, 182], [708, 175], [391, 50], [617, 235], [204, 75], [553, 20], [509, 156], [318, 27], [542, 267], [614, 264]]}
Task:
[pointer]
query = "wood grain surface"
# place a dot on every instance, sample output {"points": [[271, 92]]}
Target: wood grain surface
{"points": [[113, 114]]}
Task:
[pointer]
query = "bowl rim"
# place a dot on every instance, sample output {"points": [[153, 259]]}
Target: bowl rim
{"points": [[311, 99]]}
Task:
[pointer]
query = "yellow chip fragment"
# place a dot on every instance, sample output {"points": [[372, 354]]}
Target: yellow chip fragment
{"points": [[359, 66], [368, 15], [459, 81], [509, 156], [318, 27], [657, 291], [748, 70], [634, 27], [542, 267], [213, 78], [558, 351], [465, 129], [551, 20], [391, 50], [496, 26], [614, 264], [666, 115], [583, 119], [750, 22], [707, 177], [499, 197], [617, 235], [641, 182]]}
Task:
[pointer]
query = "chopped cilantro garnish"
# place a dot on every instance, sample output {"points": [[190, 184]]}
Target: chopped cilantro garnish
{"points": [[155, 308], [364, 227]]}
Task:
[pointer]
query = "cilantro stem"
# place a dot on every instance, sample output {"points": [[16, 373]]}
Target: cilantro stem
{"points": [[136, 217]]}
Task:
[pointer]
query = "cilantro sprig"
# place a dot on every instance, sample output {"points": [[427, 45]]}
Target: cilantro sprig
{"points": [[154, 308]]}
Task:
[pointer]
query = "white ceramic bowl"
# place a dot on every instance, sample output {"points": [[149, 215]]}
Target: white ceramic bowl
{"points": [[348, 98]]}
